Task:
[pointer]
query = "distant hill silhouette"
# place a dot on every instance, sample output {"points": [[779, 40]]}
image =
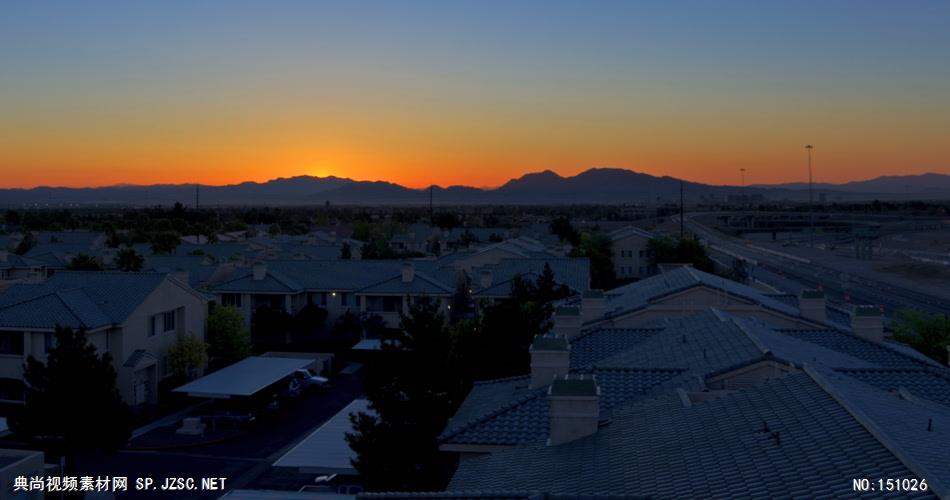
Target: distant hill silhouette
{"points": [[597, 185], [897, 184]]}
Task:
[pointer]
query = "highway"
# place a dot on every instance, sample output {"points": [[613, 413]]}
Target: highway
{"points": [[784, 271]]}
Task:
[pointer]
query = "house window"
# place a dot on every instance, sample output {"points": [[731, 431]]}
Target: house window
{"points": [[323, 299], [231, 299], [162, 323], [344, 299], [168, 322], [11, 343], [49, 342]]}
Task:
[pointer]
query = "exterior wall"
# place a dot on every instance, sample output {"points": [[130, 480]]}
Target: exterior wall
{"points": [[630, 257], [26, 274], [334, 304], [191, 321], [392, 318]]}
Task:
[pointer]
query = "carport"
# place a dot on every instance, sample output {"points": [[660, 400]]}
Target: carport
{"points": [[246, 378], [325, 450]]}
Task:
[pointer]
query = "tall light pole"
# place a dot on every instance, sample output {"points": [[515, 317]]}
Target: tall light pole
{"points": [[742, 184], [811, 199], [682, 212]]}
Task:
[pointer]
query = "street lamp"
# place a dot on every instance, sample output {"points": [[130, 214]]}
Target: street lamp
{"points": [[742, 193], [811, 199]]}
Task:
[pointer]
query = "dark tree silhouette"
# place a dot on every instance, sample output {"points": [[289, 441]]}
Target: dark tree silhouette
{"points": [[228, 338], [83, 262], [562, 228], [928, 333], [129, 260], [26, 244], [667, 250], [72, 404], [412, 392]]}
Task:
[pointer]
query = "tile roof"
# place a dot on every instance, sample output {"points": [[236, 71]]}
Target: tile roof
{"points": [[198, 267], [692, 347], [420, 285], [571, 271], [703, 342], [272, 282], [927, 383], [630, 231], [523, 417], [878, 354], [316, 275], [915, 430], [595, 345], [79, 299], [638, 295], [786, 437]]}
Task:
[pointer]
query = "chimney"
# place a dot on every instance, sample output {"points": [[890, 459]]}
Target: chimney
{"points": [[867, 323], [574, 408], [811, 305], [567, 322], [408, 272], [550, 357], [260, 271], [593, 305], [485, 278]]}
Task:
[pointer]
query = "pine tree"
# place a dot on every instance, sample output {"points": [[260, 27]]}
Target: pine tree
{"points": [[72, 404], [412, 392]]}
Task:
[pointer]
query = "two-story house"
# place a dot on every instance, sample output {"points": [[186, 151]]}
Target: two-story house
{"points": [[631, 255], [135, 317]]}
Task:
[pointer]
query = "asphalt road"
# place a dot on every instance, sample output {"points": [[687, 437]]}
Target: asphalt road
{"points": [[841, 287], [240, 460]]}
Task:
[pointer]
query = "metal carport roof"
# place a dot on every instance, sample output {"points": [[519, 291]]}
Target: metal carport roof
{"points": [[325, 450], [244, 378]]}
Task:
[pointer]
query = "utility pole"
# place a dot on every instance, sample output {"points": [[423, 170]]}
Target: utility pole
{"points": [[811, 200], [431, 212], [682, 234], [197, 197], [742, 185]]}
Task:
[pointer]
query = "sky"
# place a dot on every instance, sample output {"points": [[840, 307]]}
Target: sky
{"points": [[451, 92]]}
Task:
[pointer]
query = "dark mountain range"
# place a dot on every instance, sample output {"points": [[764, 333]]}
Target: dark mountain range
{"points": [[598, 185], [895, 184]]}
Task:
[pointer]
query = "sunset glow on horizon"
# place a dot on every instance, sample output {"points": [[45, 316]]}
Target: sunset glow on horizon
{"points": [[472, 93]]}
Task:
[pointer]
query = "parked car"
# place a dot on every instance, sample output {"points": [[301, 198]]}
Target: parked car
{"points": [[309, 379]]}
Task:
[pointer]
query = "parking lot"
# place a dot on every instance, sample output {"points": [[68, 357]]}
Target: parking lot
{"points": [[239, 457]]}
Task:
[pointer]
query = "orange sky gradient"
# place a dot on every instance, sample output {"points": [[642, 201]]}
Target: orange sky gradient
{"points": [[472, 93]]}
